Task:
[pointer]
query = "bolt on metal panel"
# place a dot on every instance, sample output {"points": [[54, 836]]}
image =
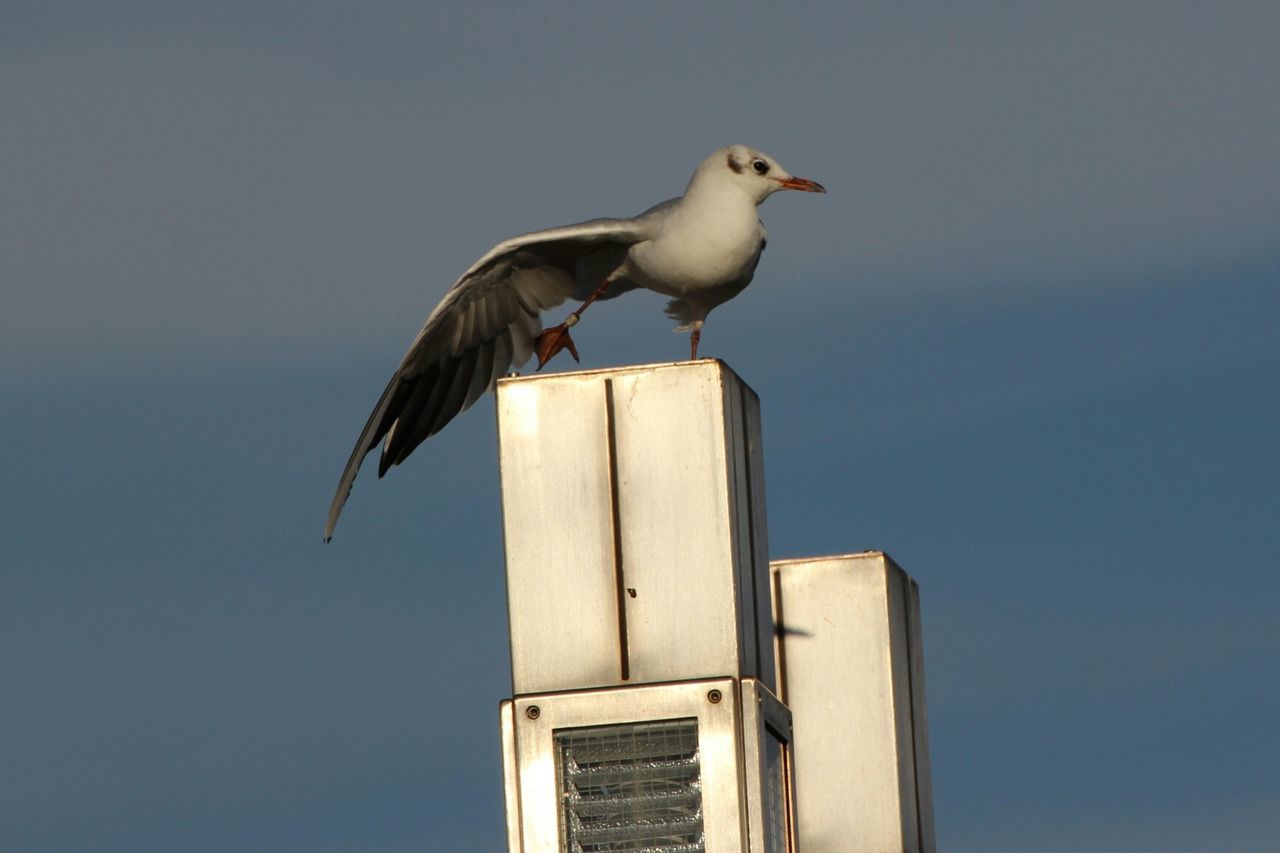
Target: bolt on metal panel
{"points": [[851, 669], [633, 511]]}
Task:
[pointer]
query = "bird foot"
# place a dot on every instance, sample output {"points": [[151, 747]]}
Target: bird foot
{"points": [[551, 341]]}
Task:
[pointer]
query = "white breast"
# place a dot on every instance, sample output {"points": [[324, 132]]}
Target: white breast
{"points": [[702, 250]]}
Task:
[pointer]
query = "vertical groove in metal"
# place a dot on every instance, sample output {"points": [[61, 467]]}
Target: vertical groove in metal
{"points": [[615, 518]]}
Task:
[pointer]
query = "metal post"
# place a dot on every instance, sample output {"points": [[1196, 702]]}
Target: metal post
{"points": [[643, 714], [644, 657], [633, 511]]}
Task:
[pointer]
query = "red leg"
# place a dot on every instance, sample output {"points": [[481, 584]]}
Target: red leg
{"points": [[551, 341], [693, 340]]}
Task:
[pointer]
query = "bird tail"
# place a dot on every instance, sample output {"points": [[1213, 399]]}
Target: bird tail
{"points": [[684, 314]]}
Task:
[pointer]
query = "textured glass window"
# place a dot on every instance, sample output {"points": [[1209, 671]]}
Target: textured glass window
{"points": [[634, 787], [774, 793]]}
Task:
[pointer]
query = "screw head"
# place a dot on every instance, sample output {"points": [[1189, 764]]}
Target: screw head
{"points": [[533, 712], [714, 696]]}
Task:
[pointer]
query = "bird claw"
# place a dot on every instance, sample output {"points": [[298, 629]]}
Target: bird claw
{"points": [[551, 341]]}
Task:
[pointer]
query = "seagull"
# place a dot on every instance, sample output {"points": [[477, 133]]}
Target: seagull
{"points": [[700, 250]]}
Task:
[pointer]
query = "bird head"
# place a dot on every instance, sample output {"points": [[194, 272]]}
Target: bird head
{"points": [[752, 171]]}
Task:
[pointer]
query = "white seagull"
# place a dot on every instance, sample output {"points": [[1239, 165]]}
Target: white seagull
{"points": [[700, 249]]}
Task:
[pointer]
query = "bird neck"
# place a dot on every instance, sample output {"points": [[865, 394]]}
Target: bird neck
{"points": [[718, 197]]}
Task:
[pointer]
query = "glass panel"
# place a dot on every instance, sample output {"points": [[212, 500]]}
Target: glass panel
{"points": [[774, 793], [632, 787]]}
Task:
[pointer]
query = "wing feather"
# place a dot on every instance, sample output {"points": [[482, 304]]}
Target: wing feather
{"points": [[483, 379], [450, 404], [487, 320], [398, 434]]}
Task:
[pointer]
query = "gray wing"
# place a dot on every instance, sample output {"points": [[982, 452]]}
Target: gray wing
{"points": [[485, 323]]}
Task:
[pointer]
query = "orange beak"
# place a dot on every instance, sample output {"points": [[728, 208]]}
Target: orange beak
{"points": [[802, 184]]}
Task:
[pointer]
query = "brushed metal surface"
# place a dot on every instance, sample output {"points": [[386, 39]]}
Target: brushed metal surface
{"points": [[633, 511], [677, 531], [562, 599], [851, 670]]}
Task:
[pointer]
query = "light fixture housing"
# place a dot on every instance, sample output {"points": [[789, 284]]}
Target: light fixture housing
{"points": [[694, 767]]}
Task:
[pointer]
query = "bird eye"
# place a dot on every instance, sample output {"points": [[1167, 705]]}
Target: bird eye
{"points": [[760, 166]]}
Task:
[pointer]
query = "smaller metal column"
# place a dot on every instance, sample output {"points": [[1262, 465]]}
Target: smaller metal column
{"points": [[851, 668]]}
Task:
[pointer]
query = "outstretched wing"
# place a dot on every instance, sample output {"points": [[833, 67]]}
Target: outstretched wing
{"points": [[485, 323]]}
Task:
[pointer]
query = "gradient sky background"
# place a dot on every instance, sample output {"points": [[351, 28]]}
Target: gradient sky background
{"points": [[1027, 344]]}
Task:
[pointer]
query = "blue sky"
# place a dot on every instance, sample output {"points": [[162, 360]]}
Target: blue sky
{"points": [[1027, 344]]}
